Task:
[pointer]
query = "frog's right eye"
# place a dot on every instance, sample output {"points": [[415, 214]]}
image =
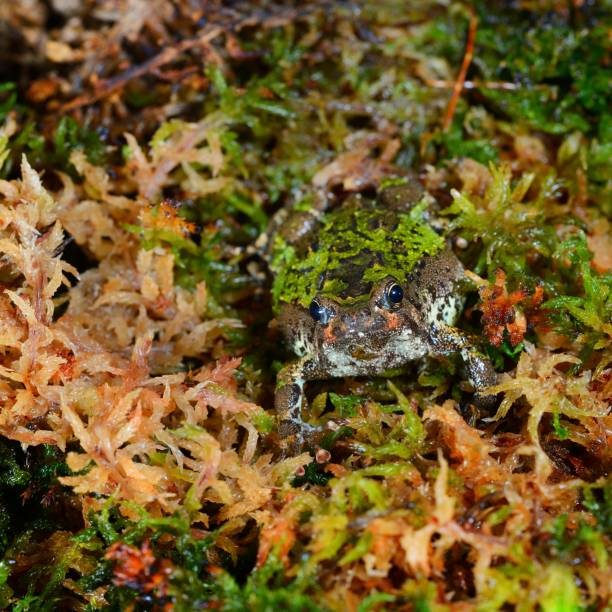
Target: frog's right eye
{"points": [[395, 294], [321, 314]]}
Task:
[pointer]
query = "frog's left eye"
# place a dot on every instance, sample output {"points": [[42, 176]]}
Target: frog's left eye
{"points": [[394, 294], [320, 313]]}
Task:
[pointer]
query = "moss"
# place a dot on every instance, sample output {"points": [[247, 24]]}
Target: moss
{"points": [[457, 142], [412, 499], [52, 152], [367, 240], [587, 315], [559, 70]]}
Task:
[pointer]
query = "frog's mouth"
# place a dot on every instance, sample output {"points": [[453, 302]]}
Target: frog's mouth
{"points": [[361, 354]]}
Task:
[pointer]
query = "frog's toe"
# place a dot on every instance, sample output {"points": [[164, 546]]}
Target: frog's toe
{"points": [[296, 436], [487, 402], [288, 428]]}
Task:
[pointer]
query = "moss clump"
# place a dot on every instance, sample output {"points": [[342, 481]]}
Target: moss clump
{"points": [[354, 249], [159, 162]]}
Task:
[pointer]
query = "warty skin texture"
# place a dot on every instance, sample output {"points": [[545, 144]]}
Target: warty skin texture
{"points": [[362, 331]]}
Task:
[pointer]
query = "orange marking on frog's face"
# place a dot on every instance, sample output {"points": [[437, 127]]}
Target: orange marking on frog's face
{"points": [[328, 334], [393, 320]]}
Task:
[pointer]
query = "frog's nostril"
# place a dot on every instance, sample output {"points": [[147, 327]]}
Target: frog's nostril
{"points": [[347, 318], [354, 321]]}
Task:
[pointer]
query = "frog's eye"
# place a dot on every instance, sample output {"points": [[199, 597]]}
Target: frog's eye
{"points": [[394, 294], [321, 314]]}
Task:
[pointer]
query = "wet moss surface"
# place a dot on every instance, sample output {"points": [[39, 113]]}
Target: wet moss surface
{"points": [[143, 151]]}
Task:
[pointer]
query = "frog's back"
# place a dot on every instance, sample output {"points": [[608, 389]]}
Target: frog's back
{"points": [[351, 248], [358, 246]]}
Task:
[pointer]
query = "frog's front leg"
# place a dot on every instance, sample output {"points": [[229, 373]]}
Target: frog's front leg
{"points": [[290, 401], [446, 340]]}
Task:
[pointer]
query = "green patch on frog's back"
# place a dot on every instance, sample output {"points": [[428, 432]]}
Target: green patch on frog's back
{"points": [[355, 248]]}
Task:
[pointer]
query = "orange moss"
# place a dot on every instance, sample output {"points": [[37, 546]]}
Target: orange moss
{"points": [[89, 375], [166, 217], [137, 568], [499, 312]]}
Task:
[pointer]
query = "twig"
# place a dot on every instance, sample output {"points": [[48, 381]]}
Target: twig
{"points": [[442, 84], [458, 87], [109, 86]]}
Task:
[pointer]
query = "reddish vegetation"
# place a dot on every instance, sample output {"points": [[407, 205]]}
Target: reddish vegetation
{"points": [[165, 217], [500, 312], [137, 568], [148, 378]]}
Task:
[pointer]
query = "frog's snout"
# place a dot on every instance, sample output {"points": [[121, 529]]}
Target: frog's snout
{"points": [[358, 332], [354, 321]]}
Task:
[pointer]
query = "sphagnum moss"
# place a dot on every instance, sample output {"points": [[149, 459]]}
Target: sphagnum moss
{"points": [[140, 464]]}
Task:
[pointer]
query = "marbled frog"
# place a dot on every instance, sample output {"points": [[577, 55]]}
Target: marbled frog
{"points": [[362, 289]]}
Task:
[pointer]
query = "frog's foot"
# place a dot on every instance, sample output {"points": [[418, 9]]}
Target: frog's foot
{"points": [[292, 431], [479, 370], [288, 402], [487, 403], [481, 375], [296, 436]]}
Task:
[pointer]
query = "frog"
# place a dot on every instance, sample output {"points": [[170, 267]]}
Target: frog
{"points": [[364, 288]]}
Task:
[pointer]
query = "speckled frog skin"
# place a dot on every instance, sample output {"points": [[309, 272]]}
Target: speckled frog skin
{"points": [[361, 289]]}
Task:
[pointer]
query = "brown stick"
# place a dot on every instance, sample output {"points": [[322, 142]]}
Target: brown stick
{"points": [[210, 32], [442, 84], [109, 86], [458, 87]]}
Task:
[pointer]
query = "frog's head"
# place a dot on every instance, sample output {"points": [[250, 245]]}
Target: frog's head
{"points": [[382, 324]]}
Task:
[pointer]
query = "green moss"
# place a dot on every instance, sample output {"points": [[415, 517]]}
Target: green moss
{"points": [[598, 501], [513, 226], [568, 545], [462, 140], [192, 583], [551, 588], [314, 474], [561, 432], [361, 547], [32, 502], [51, 152], [69, 136], [346, 405], [267, 589], [559, 72], [8, 98], [349, 239], [588, 315]]}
